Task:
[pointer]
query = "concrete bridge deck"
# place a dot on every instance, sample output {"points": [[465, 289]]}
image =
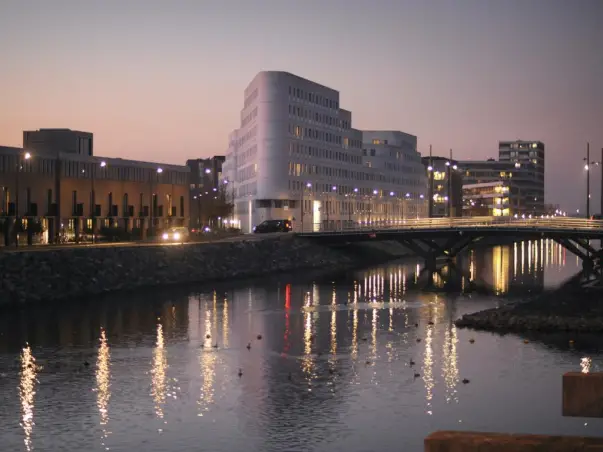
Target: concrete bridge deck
{"points": [[435, 238]]}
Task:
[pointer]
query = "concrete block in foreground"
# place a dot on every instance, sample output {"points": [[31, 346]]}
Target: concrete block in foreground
{"points": [[583, 394], [448, 441]]}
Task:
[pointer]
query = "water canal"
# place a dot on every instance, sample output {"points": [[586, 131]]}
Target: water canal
{"points": [[334, 368]]}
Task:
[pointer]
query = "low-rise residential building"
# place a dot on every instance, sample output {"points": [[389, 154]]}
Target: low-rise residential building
{"points": [[69, 194], [507, 174], [487, 199]]}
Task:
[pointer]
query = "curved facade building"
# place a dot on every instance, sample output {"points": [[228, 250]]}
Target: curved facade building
{"points": [[296, 156]]}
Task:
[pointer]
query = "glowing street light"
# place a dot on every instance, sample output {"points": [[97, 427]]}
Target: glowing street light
{"points": [[103, 164], [159, 170]]}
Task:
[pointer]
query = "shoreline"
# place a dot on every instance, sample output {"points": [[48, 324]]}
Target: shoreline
{"points": [[77, 273], [573, 310]]}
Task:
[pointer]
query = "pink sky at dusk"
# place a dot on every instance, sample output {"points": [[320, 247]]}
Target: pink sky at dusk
{"points": [[164, 81]]}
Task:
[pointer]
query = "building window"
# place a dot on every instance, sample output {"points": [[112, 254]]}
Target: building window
{"points": [[125, 205], [110, 200], [74, 202], [182, 206], [48, 200]]}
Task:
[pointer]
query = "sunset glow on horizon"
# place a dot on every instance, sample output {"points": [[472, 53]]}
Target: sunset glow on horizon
{"points": [[164, 81]]}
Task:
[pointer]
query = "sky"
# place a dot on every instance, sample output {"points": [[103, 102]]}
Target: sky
{"points": [[164, 80]]}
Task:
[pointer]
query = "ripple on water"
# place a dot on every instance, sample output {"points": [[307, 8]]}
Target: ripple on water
{"points": [[326, 375]]}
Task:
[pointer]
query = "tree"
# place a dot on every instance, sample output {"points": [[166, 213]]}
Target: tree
{"points": [[217, 205]]}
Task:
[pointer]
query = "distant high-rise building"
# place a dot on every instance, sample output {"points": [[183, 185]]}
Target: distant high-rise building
{"points": [[529, 157], [296, 156], [59, 140]]}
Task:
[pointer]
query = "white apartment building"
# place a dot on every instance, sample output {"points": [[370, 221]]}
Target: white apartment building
{"points": [[296, 156]]}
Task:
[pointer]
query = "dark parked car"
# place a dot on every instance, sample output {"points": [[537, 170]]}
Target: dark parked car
{"points": [[273, 226]]}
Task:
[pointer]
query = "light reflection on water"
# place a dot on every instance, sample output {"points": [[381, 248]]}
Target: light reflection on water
{"points": [[27, 392], [332, 370], [103, 382]]}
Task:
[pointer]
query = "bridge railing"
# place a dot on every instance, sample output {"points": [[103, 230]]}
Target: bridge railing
{"points": [[561, 223]]}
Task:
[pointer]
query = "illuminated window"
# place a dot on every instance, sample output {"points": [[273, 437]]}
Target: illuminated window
{"points": [[375, 141], [439, 175], [298, 131]]}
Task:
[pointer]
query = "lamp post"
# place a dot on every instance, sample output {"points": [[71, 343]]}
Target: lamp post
{"points": [[328, 205], [152, 212], [102, 165], [20, 161], [586, 168], [430, 185], [226, 182], [197, 197], [355, 201], [301, 205], [371, 204]]}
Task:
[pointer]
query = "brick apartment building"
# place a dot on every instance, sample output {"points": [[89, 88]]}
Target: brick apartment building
{"points": [[70, 191]]}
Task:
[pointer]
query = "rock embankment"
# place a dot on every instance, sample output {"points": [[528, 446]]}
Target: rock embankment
{"points": [[32, 276], [579, 310]]}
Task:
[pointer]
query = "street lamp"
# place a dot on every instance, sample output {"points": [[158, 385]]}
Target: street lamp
{"points": [[152, 211], [102, 165], [20, 162], [301, 209], [587, 169]]}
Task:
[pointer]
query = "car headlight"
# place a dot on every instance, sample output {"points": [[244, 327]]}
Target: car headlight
{"points": [[165, 236], [176, 236]]}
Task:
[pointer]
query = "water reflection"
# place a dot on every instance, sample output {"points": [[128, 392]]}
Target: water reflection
{"points": [[158, 373], [428, 369], [308, 337], [375, 315], [27, 392], [103, 382], [450, 370], [585, 364], [208, 374]]}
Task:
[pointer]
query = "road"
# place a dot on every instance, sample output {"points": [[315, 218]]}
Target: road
{"points": [[44, 248]]}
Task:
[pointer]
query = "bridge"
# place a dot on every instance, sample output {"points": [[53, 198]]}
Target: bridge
{"points": [[445, 238]]}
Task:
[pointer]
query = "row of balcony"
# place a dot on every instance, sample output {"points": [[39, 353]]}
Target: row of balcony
{"points": [[78, 211]]}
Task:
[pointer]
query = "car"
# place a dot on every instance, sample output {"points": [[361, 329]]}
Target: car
{"points": [[273, 226], [176, 234]]}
